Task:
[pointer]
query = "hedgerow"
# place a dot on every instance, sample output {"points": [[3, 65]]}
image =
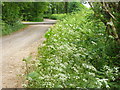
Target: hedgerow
{"points": [[55, 16], [74, 55]]}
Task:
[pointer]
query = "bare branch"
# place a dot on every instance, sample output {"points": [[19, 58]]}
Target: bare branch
{"points": [[108, 11]]}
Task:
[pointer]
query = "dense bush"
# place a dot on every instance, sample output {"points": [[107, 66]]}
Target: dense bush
{"points": [[74, 55], [8, 29], [58, 16], [55, 16]]}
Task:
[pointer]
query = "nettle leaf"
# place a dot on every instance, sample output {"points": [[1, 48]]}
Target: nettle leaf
{"points": [[33, 75]]}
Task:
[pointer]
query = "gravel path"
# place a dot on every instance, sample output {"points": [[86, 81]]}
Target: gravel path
{"points": [[17, 46]]}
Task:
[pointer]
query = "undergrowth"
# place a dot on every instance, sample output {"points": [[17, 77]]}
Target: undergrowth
{"points": [[55, 16], [76, 55], [8, 29]]}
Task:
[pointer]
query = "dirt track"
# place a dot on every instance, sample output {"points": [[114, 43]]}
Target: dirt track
{"points": [[17, 46]]}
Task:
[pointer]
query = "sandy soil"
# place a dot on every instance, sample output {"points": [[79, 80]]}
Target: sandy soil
{"points": [[17, 46]]}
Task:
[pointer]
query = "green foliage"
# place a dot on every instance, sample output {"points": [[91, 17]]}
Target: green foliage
{"points": [[55, 7], [8, 29], [64, 7], [109, 14], [77, 52], [74, 55], [56, 16], [10, 12], [11, 20], [75, 6], [14, 12], [34, 11]]}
